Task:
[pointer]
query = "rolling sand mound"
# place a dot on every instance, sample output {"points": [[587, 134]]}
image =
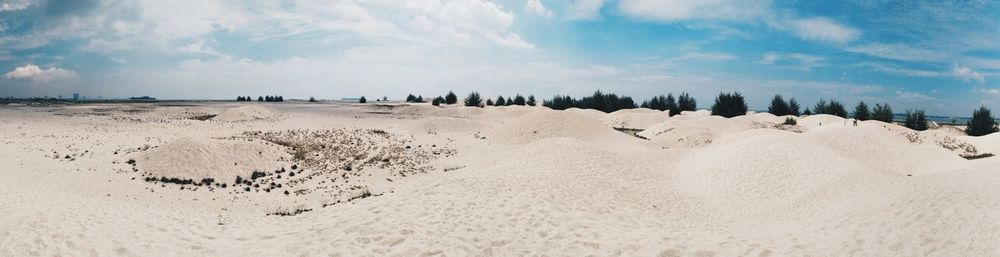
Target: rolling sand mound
{"points": [[640, 118], [246, 112], [697, 130], [549, 124], [778, 175], [445, 125], [197, 158]]}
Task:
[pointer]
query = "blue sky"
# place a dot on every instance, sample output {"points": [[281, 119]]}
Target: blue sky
{"points": [[942, 56]]}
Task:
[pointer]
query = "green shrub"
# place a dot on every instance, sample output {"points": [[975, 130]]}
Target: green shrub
{"points": [[362, 100], [500, 101], [729, 105], [474, 100], [916, 120], [790, 121], [531, 100], [882, 112], [807, 112], [437, 101], [982, 123], [489, 102]]}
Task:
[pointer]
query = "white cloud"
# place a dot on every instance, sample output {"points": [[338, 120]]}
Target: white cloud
{"points": [[584, 9], [912, 96], [14, 5], [34, 73], [904, 71], [536, 6], [990, 91], [798, 61], [693, 9], [966, 73], [823, 30], [898, 52]]}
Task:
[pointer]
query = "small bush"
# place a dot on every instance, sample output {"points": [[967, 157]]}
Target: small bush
{"points": [[500, 101], [790, 121], [916, 120], [531, 100], [982, 123], [882, 112], [437, 101], [807, 112], [410, 98], [861, 111], [489, 102], [362, 100], [729, 105], [312, 99], [451, 98], [474, 100]]}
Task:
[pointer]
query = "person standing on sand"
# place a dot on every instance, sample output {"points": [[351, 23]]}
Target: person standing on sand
{"points": [[855, 122]]}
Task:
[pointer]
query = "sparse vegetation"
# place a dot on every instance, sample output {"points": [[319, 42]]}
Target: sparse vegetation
{"points": [[882, 112], [790, 121], [437, 101], [312, 99], [362, 100], [982, 123], [531, 100], [474, 100], [729, 105], [598, 101], [915, 120]]}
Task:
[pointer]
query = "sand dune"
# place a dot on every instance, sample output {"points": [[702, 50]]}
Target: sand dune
{"points": [[419, 180]]}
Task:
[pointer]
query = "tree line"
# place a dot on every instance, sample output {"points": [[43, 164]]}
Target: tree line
{"points": [[268, 98], [726, 104]]}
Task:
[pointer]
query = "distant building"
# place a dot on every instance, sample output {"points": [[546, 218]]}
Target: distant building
{"points": [[76, 96]]}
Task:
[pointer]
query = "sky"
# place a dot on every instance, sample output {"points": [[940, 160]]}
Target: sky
{"points": [[940, 56]]}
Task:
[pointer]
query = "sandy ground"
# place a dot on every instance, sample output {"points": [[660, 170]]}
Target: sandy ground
{"points": [[373, 180]]}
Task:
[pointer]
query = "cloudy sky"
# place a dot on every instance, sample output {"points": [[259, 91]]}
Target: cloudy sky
{"points": [[942, 56]]}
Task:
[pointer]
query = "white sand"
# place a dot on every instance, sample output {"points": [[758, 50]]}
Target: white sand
{"points": [[496, 181]]}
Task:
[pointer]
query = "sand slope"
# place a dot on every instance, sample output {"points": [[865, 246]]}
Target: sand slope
{"points": [[533, 182]]}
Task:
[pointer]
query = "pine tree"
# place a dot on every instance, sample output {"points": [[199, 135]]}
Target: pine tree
{"points": [[686, 103], [861, 111], [915, 120], [531, 100], [451, 98], [982, 123], [489, 102], [779, 107], [793, 107], [882, 112], [473, 100], [519, 100], [437, 101], [501, 101], [362, 100], [729, 105]]}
